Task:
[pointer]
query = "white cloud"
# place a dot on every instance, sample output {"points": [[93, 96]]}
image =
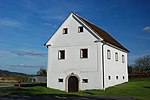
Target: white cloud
{"points": [[30, 53], [10, 22], [50, 25], [147, 28], [26, 65]]}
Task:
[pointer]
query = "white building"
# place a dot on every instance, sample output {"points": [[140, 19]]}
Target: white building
{"points": [[82, 56]]}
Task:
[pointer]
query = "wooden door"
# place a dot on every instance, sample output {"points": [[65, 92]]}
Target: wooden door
{"points": [[73, 84]]}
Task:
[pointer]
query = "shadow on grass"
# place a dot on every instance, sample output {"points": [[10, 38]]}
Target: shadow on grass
{"points": [[28, 94], [147, 87]]}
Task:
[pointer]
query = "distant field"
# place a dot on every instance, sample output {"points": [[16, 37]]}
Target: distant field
{"points": [[7, 83], [2, 84], [138, 88]]}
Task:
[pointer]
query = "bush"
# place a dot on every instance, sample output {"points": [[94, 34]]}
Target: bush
{"points": [[140, 75]]}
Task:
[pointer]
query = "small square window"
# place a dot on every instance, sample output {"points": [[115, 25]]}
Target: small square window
{"points": [[61, 54], [117, 77], [65, 31], [60, 80], [84, 80], [109, 77], [108, 54], [84, 53], [123, 77], [123, 59], [80, 29], [116, 56]]}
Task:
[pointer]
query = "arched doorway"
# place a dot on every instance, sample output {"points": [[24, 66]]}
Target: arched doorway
{"points": [[73, 84]]}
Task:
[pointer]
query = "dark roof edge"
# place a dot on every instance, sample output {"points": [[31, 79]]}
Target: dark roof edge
{"points": [[118, 44]]}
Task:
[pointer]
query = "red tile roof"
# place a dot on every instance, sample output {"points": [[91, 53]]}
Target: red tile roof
{"points": [[101, 33]]}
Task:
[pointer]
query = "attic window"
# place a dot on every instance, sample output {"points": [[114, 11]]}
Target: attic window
{"points": [[84, 53], [80, 29], [65, 31], [61, 54]]}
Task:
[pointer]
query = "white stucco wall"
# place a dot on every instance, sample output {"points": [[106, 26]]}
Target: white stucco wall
{"points": [[115, 68], [89, 68]]}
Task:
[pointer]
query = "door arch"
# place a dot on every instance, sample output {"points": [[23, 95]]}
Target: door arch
{"points": [[73, 84]]}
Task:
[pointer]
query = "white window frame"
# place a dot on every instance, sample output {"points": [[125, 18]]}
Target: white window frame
{"points": [[79, 29], [123, 59], [108, 54], [82, 53], [60, 55], [116, 56], [85, 80], [117, 77], [60, 80], [123, 77], [65, 30]]}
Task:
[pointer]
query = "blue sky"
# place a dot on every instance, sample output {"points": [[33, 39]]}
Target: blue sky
{"points": [[25, 25]]}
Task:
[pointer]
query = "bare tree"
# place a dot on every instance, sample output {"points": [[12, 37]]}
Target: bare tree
{"points": [[143, 63]]}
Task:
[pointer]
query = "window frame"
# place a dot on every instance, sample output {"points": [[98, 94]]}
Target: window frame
{"points": [[60, 55], [123, 59], [79, 29], [123, 77], [60, 80], [82, 55], [65, 30], [109, 77], [117, 77], [85, 80], [108, 54], [116, 56]]}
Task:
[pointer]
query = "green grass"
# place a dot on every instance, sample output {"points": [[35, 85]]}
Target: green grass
{"points": [[138, 88]]}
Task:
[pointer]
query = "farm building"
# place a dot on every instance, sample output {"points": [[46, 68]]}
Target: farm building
{"points": [[82, 56]]}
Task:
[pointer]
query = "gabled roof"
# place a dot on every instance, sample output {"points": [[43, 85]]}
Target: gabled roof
{"points": [[101, 33]]}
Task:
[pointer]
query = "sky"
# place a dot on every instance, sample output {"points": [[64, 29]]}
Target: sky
{"points": [[25, 25]]}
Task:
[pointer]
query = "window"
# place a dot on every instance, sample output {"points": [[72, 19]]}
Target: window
{"points": [[61, 54], [80, 29], [60, 80], [116, 56], [84, 53], [123, 59], [109, 77], [108, 54], [123, 77], [117, 77], [65, 31], [84, 80]]}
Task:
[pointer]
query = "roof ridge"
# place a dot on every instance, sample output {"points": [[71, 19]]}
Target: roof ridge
{"points": [[87, 20], [105, 35]]}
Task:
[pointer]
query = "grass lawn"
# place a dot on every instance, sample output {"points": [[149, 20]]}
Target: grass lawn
{"points": [[138, 88]]}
